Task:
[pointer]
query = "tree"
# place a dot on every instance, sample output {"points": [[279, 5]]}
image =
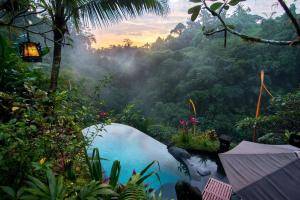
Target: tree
{"points": [[179, 28], [127, 42], [91, 12], [146, 46], [217, 10]]}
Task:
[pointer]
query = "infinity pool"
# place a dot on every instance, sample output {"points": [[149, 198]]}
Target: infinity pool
{"points": [[135, 150]]}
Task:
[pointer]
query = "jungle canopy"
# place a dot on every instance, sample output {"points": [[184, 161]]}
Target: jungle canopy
{"points": [[261, 171]]}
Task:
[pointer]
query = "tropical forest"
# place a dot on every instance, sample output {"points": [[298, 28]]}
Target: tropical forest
{"points": [[149, 99]]}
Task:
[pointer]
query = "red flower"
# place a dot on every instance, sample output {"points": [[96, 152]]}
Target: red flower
{"points": [[103, 114], [183, 122], [193, 120]]}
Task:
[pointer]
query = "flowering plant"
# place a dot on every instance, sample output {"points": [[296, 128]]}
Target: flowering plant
{"points": [[185, 124], [103, 114]]}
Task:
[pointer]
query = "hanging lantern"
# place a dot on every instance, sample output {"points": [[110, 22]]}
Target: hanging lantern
{"points": [[30, 51]]}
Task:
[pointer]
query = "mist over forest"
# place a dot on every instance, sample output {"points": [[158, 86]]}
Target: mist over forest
{"points": [[160, 78]]}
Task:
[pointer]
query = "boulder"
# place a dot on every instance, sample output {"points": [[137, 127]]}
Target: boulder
{"points": [[185, 191], [178, 153]]}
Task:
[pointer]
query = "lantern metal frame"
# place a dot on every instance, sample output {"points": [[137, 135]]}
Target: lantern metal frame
{"points": [[29, 58]]}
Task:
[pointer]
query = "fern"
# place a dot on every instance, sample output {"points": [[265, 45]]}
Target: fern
{"points": [[134, 192]]}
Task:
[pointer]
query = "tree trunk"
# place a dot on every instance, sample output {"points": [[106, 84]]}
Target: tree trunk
{"points": [[58, 39]]}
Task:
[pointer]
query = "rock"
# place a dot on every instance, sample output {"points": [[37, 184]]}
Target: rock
{"points": [[184, 191], [178, 153], [203, 172]]}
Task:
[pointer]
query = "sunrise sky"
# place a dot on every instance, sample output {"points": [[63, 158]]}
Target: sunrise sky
{"points": [[147, 28]]}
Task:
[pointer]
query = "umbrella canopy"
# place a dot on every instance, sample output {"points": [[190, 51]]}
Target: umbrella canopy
{"points": [[263, 172]]}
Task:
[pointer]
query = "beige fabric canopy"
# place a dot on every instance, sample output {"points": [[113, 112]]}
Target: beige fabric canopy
{"points": [[260, 171]]}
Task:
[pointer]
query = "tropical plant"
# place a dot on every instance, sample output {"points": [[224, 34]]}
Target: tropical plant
{"points": [[11, 193], [115, 174], [133, 192], [54, 188], [36, 126], [283, 117], [132, 116], [95, 167], [96, 172], [203, 141], [135, 189], [95, 190]]}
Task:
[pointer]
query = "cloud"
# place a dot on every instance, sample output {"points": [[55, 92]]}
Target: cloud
{"points": [[148, 27]]}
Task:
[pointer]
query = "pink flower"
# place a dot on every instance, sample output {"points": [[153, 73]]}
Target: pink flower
{"points": [[103, 114], [183, 122], [193, 120], [147, 184], [133, 172]]}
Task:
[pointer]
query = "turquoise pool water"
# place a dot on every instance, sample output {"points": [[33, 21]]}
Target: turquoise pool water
{"points": [[135, 150]]}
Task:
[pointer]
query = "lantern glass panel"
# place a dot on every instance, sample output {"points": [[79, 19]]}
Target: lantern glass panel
{"points": [[31, 50]]}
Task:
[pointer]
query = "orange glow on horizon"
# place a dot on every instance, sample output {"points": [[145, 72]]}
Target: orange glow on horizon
{"points": [[140, 40]]}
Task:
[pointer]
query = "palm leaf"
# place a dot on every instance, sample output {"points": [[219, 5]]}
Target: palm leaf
{"points": [[148, 166], [104, 12], [9, 191], [96, 166], [52, 190]]}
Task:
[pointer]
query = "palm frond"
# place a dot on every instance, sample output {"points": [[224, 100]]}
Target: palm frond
{"points": [[104, 12]]}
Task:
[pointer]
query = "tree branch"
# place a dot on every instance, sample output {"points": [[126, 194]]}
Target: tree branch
{"points": [[251, 38], [290, 15]]}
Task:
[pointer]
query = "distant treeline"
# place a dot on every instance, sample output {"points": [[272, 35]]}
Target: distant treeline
{"points": [[223, 82]]}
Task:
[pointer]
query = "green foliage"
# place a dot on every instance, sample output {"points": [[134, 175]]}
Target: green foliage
{"points": [[95, 169], [95, 166], [224, 83], [11, 193], [135, 188], [161, 132], [283, 117], [194, 11], [133, 117], [206, 141], [215, 6], [53, 189], [115, 173], [133, 192], [140, 177], [95, 190], [36, 125]]}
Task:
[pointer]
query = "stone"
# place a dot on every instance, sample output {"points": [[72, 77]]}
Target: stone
{"points": [[185, 191]]}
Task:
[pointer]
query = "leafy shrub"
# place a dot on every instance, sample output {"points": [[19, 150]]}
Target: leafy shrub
{"points": [[133, 117], [161, 132], [200, 141], [35, 124], [283, 117]]}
